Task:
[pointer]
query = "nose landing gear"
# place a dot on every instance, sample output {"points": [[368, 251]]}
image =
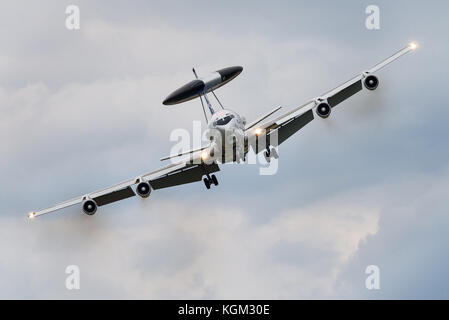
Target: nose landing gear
{"points": [[209, 180]]}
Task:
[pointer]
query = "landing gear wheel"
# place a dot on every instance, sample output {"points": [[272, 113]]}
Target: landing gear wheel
{"points": [[207, 183], [267, 156], [214, 180], [267, 153]]}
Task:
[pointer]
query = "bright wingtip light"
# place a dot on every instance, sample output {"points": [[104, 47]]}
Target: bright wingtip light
{"points": [[413, 45], [31, 215]]}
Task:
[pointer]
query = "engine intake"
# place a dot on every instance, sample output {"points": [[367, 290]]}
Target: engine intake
{"points": [[371, 82], [323, 110], [89, 207], [143, 189]]}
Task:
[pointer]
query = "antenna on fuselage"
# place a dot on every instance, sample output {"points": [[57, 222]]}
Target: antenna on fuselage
{"points": [[212, 111], [194, 72]]}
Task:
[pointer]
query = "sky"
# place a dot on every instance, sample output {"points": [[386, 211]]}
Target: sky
{"points": [[82, 109]]}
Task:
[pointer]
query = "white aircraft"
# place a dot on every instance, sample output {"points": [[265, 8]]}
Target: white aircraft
{"points": [[204, 161]]}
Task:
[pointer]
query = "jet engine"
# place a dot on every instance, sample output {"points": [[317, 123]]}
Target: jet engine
{"points": [[371, 82], [89, 207], [323, 110], [143, 189]]}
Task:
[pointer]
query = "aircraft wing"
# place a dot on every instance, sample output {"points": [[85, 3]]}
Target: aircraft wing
{"points": [[168, 176], [260, 119], [289, 123]]}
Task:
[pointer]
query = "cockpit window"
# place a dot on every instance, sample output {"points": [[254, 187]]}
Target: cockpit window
{"points": [[224, 120]]}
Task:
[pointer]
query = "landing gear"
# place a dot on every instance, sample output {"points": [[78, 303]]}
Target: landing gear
{"points": [[270, 153], [214, 180], [206, 183], [209, 180], [267, 153]]}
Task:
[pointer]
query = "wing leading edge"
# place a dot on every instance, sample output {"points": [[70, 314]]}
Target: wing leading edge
{"points": [[169, 176], [289, 123]]}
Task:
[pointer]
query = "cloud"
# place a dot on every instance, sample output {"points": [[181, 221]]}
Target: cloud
{"points": [[409, 246], [164, 249], [167, 250]]}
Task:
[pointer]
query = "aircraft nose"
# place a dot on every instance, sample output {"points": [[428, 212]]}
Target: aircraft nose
{"points": [[227, 74], [187, 92]]}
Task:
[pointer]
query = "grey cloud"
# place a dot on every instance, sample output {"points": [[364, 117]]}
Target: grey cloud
{"points": [[166, 250], [409, 247]]}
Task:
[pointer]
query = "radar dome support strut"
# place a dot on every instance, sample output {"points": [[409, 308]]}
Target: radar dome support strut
{"points": [[204, 94], [204, 110], [217, 99]]}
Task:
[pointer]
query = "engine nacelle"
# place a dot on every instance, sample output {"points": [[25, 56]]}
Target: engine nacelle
{"points": [[89, 207], [371, 82], [323, 110], [143, 189]]}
